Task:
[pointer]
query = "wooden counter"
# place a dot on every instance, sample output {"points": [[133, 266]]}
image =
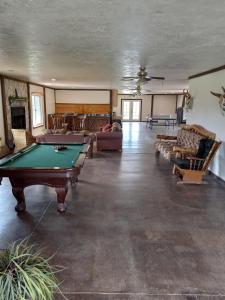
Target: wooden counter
{"points": [[77, 122], [82, 108]]}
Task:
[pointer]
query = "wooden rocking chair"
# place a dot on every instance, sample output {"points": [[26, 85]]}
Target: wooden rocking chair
{"points": [[193, 168]]}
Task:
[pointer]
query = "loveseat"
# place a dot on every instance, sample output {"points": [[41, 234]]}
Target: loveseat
{"points": [[185, 142], [109, 140], [109, 137], [191, 151]]}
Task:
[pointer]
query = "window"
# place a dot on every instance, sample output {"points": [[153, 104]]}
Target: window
{"points": [[37, 110]]}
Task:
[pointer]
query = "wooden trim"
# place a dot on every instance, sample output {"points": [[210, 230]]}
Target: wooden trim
{"points": [[29, 106], [4, 110], [25, 81], [160, 94], [37, 94], [114, 98], [80, 161], [217, 69], [76, 103], [183, 101], [131, 121], [176, 103], [38, 126], [15, 79], [71, 89], [152, 105], [110, 106], [42, 85], [45, 109]]}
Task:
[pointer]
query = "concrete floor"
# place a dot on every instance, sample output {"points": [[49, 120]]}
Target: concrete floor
{"points": [[130, 232]]}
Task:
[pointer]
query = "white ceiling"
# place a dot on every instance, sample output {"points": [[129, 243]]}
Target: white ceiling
{"points": [[93, 43]]}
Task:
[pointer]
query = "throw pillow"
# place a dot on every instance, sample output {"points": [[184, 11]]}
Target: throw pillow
{"points": [[116, 127], [106, 128], [204, 148]]}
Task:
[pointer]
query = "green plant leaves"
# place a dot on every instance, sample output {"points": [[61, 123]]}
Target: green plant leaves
{"points": [[25, 274]]}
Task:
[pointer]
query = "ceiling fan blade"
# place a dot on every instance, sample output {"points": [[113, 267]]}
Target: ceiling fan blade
{"points": [[129, 78], [156, 77], [144, 79]]}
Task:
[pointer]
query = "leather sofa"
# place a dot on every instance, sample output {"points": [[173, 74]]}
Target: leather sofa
{"points": [[109, 140]]}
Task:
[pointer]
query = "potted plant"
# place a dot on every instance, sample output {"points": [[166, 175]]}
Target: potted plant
{"points": [[25, 274]]}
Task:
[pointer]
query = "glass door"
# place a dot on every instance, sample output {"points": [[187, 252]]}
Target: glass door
{"points": [[131, 110], [126, 110], [136, 110]]}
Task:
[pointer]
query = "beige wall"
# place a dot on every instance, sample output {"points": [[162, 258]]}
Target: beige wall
{"points": [[83, 97], [50, 101], [207, 113], [146, 104], [180, 100], [40, 90], [2, 129], [164, 105]]}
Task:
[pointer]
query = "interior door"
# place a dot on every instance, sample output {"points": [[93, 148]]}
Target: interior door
{"points": [[131, 110]]}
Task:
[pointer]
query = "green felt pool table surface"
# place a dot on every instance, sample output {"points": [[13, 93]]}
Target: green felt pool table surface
{"points": [[44, 156]]}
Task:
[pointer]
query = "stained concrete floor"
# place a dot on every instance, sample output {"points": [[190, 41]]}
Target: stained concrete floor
{"points": [[130, 232]]}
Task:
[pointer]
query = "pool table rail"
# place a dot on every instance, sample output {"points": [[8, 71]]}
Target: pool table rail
{"points": [[59, 178]]}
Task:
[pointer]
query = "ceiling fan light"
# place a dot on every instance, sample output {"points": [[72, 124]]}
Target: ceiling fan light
{"points": [[142, 73], [141, 77]]}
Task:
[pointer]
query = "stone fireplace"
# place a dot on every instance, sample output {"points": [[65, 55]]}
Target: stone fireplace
{"points": [[18, 117], [17, 112]]}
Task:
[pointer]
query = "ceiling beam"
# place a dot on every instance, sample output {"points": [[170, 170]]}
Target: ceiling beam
{"points": [[207, 72]]}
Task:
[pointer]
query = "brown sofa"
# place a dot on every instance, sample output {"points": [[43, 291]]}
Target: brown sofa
{"points": [[109, 140]]}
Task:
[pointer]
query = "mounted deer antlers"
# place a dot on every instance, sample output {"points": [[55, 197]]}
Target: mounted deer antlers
{"points": [[188, 99], [221, 99]]}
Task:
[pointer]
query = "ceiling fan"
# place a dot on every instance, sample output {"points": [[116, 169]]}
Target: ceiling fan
{"points": [[138, 91], [142, 76]]}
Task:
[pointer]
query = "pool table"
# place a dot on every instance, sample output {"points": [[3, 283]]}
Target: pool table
{"points": [[41, 163]]}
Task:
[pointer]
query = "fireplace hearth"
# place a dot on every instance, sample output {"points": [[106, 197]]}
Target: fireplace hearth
{"points": [[18, 117]]}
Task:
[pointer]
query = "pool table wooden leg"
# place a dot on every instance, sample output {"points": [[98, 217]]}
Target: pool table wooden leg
{"points": [[19, 195], [61, 195], [73, 181]]}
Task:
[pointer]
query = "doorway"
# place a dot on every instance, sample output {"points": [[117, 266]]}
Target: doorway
{"points": [[131, 109]]}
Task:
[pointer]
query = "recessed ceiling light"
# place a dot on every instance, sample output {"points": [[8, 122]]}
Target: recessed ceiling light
{"points": [[53, 79]]}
